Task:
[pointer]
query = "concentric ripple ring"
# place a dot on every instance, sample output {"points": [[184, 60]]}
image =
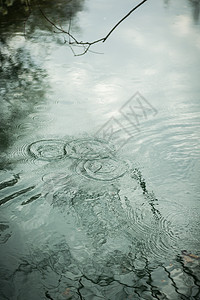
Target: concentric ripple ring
{"points": [[106, 169], [89, 149], [47, 149]]}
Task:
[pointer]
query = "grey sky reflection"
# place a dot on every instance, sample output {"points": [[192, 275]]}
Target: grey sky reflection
{"points": [[154, 45]]}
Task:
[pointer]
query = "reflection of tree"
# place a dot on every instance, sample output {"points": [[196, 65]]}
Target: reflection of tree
{"points": [[23, 82], [21, 87], [59, 11], [195, 4], [28, 11], [166, 2], [12, 8], [195, 9], [6, 6], [115, 277]]}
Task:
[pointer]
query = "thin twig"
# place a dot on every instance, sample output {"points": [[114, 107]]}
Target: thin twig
{"points": [[126, 16], [58, 28], [86, 45]]}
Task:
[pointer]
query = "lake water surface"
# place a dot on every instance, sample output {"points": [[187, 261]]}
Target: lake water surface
{"points": [[100, 154]]}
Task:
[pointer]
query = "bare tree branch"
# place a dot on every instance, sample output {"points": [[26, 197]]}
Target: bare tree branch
{"points": [[85, 45], [126, 16]]}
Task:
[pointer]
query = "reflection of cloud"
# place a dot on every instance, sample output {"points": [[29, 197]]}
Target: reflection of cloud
{"points": [[150, 71], [130, 34]]}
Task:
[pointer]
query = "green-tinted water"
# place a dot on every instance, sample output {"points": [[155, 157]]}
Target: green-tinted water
{"points": [[99, 180]]}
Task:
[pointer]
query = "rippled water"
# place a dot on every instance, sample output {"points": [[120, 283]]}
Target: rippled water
{"points": [[99, 179]]}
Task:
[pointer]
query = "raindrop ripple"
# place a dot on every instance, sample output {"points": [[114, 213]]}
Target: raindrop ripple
{"points": [[89, 149], [47, 150], [106, 169]]}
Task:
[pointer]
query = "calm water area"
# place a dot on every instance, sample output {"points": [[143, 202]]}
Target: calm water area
{"points": [[100, 152]]}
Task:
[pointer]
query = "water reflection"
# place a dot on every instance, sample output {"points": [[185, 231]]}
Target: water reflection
{"points": [[195, 7], [22, 87], [23, 79], [166, 2], [195, 10], [78, 219], [89, 237], [13, 11]]}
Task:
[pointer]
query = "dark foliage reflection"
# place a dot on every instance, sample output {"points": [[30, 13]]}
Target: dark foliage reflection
{"points": [[23, 80]]}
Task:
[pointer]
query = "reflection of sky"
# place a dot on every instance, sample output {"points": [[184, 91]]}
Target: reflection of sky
{"points": [[155, 51]]}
